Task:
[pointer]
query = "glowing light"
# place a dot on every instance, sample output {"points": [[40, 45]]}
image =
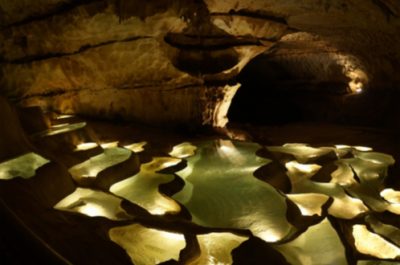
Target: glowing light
{"points": [[148, 246], [183, 150], [372, 244], [391, 195], [298, 172], [93, 203], [320, 244], [309, 169], [86, 146], [142, 188], [393, 208], [93, 166], [310, 203], [342, 146], [63, 128], [109, 145], [301, 152], [24, 166], [216, 248], [356, 87], [341, 150], [218, 189], [136, 147], [61, 117], [363, 148], [272, 235], [354, 70], [358, 148], [227, 151]]}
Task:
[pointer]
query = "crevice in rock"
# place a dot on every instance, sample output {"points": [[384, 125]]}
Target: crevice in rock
{"points": [[160, 87], [58, 9], [388, 8], [252, 14], [53, 93], [41, 57], [210, 42], [144, 9]]}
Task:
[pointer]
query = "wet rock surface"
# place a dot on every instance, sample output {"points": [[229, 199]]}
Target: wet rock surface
{"points": [[88, 217], [55, 52]]}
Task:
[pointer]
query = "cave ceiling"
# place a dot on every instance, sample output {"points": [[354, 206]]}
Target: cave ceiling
{"points": [[177, 61]]}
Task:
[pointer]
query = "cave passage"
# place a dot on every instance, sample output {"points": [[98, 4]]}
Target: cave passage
{"points": [[272, 94], [200, 132]]}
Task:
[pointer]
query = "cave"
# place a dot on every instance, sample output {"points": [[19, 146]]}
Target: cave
{"points": [[200, 132]]}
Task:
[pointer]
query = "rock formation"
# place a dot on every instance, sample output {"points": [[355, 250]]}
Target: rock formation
{"points": [[175, 62]]}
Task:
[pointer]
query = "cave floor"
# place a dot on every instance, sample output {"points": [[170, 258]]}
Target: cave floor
{"points": [[106, 193]]}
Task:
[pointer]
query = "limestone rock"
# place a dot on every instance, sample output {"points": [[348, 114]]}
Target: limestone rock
{"points": [[152, 61]]}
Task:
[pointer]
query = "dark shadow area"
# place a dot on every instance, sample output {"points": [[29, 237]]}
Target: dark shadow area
{"points": [[18, 246], [271, 95]]}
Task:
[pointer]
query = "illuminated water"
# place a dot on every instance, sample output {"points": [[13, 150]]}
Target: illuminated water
{"points": [[225, 204]]}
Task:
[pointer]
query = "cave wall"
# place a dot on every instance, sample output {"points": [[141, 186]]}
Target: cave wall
{"points": [[177, 61]]}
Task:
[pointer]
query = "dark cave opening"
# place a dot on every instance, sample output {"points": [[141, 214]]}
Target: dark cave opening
{"points": [[271, 95]]}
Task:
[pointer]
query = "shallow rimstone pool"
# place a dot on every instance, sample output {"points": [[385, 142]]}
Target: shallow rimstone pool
{"points": [[204, 200]]}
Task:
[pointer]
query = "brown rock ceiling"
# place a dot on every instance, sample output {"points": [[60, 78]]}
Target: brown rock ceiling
{"points": [[178, 61]]}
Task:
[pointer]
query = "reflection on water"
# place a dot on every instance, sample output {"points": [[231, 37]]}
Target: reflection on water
{"points": [[320, 244], [309, 203], [216, 248], [148, 246], [391, 195], [371, 169], [64, 116], [385, 230], [343, 175], [221, 191], [183, 150], [301, 152], [24, 166], [374, 245], [142, 188], [108, 145], [63, 128], [93, 166], [86, 146], [93, 203], [343, 206], [217, 188], [136, 147]]}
